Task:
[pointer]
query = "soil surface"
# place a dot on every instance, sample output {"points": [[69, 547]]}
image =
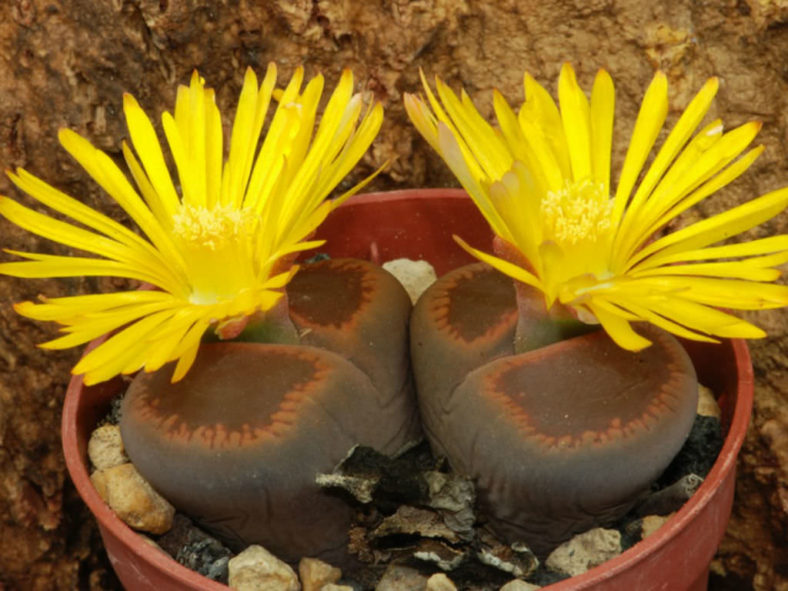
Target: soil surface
{"points": [[66, 63]]}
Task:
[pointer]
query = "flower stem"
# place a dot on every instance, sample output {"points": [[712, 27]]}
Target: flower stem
{"points": [[538, 327], [271, 326]]}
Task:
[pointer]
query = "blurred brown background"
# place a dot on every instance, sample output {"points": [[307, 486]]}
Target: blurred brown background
{"points": [[67, 63]]}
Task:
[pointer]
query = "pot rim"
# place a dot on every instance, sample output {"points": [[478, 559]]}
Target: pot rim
{"points": [[76, 462]]}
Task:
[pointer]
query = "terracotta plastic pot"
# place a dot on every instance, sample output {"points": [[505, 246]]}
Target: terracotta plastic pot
{"points": [[419, 224]]}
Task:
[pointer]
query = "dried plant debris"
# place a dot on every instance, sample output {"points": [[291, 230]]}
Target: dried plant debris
{"points": [[415, 521], [441, 554], [670, 499], [360, 488], [195, 549], [113, 414], [453, 497], [406, 498], [515, 559], [369, 476], [414, 511]]}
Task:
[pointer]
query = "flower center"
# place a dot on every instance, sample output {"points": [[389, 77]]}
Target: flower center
{"points": [[203, 228], [578, 212], [218, 248]]}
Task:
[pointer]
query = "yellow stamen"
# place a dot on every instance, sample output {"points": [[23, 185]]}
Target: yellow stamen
{"points": [[212, 228], [578, 212], [217, 243]]}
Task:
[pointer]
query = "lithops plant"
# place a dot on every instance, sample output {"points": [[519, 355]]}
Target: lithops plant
{"points": [[252, 424], [530, 375], [302, 364]]}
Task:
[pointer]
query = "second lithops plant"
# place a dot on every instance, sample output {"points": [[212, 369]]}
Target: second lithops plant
{"points": [[548, 371]]}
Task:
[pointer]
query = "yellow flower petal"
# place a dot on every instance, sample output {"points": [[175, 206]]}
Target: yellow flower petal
{"points": [[168, 345], [249, 117], [728, 293], [110, 357], [187, 351], [603, 100], [503, 266], [108, 175], [750, 270], [452, 154], [701, 168], [644, 313], [540, 110], [648, 124], [146, 144], [772, 244], [423, 119], [353, 150], [617, 327], [719, 227], [440, 115], [576, 118], [491, 153], [58, 231], [521, 215], [79, 212], [92, 326], [705, 319], [681, 132], [70, 307], [708, 188], [41, 266]]}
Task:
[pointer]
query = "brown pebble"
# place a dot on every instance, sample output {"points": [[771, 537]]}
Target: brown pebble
{"points": [[133, 499], [519, 585], [316, 574], [707, 404], [401, 578], [440, 582], [651, 523]]}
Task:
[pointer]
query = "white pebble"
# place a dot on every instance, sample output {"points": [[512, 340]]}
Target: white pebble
{"points": [[415, 276], [105, 448]]}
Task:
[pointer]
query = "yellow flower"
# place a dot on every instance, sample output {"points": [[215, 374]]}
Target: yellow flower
{"points": [[213, 247], [542, 181]]}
